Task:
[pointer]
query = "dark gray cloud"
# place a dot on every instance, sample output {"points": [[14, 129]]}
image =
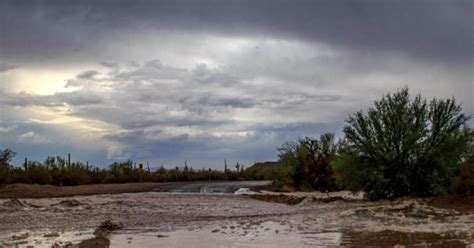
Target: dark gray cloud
{"points": [[210, 100], [6, 67], [24, 99], [432, 30], [108, 64], [87, 74], [262, 145]]}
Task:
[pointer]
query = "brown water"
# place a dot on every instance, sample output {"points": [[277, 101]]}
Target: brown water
{"points": [[226, 220]]}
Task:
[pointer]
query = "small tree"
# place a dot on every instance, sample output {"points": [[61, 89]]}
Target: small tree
{"points": [[310, 162], [5, 157], [122, 171], [403, 147]]}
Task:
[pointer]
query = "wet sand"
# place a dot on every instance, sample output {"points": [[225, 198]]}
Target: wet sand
{"points": [[43, 191], [170, 219]]}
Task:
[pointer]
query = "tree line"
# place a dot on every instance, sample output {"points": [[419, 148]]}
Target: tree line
{"points": [[61, 171], [401, 146]]}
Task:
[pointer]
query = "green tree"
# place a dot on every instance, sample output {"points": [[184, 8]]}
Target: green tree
{"points": [[5, 157], [310, 162], [463, 183], [403, 147], [38, 173], [122, 171]]}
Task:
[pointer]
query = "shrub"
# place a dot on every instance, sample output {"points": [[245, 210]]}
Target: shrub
{"points": [[308, 161], [464, 183], [38, 174]]}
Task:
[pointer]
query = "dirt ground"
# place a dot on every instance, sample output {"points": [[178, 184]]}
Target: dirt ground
{"points": [[459, 203], [168, 219], [43, 191]]}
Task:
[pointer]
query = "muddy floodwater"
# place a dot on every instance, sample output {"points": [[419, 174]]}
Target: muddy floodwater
{"points": [[212, 215]]}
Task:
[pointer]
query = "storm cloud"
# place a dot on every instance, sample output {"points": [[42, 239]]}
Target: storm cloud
{"points": [[434, 30], [168, 81]]}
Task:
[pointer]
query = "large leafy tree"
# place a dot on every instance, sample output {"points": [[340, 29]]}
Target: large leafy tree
{"points": [[403, 146]]}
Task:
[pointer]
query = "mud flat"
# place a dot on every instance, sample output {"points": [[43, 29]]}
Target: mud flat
{"points": [[164, 219]]}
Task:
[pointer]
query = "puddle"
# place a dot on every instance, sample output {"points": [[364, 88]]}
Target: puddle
{"points": [[45, 238], [267, 234]]}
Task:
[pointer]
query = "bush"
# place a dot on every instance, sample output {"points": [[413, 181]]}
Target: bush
{"points": [[308, 162], [38, 174], [464, 183], [5, 166], [109, 178], [403, 147], [281, 175], [17, 176]]}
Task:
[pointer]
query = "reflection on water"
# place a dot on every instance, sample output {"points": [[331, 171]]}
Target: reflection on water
{"points": [[232, 220], [284, 234], [214, 187], [245, 234], [265, 234], [45, 238]]}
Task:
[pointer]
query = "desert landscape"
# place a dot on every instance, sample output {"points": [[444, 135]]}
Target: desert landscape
{"points": [[236, 123]]}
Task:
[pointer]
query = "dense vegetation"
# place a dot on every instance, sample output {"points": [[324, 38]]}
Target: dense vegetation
{"points": [[463, 182], [59, 171], [401, 146]]}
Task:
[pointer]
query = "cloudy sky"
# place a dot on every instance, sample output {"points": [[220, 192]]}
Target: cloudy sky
{"points": [[168, 81]]}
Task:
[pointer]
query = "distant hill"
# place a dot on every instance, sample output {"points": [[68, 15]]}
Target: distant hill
{"points": [[263, 165], [262, 170]]}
